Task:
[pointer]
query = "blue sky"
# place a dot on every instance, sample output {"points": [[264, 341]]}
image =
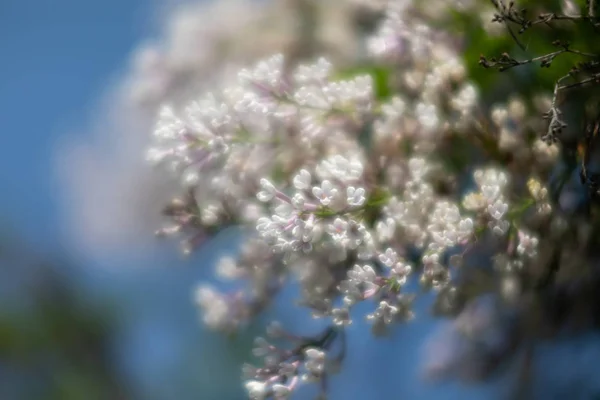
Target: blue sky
{"points": [[58, 57]]}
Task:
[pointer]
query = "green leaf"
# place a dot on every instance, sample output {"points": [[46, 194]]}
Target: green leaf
{"points": [[378, 197], [324, 212]]}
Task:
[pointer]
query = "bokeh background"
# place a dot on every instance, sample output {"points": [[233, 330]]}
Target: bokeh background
{"points": [[92, 306]]}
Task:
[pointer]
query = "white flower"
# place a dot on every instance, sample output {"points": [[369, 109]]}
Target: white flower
{"points": [[400, 272], [498, 209], [303, 230], [355, 196], [210, 214], [302, 180], [216, 308], [340, 168], [268, 72], [341, 316], [268, 191], [389, 257], [257, 390], [538, 192], [385, 229], [298, 201], [465, 99], [286, 211], [261, 347], [364, 273], [491, 182], [385, 313], [314, 73], [326, 193], [465, 228], [500, 227], [351, 291], [266, 227], [281, 391], [431, 259], [427, 115], [227, 268], [474, 202], [490, 192], [418, 168], [314, 363], [527, 244], [338, 229], [359, 285]]}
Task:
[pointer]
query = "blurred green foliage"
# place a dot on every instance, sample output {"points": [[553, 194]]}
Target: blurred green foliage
{"points": [[53, 345], [529, 79]]}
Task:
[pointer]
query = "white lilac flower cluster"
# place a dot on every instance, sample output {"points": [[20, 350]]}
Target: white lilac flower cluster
{"points": [[270, 121], [348, 194], [197, 43], [286, 368], [490, 199]]}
